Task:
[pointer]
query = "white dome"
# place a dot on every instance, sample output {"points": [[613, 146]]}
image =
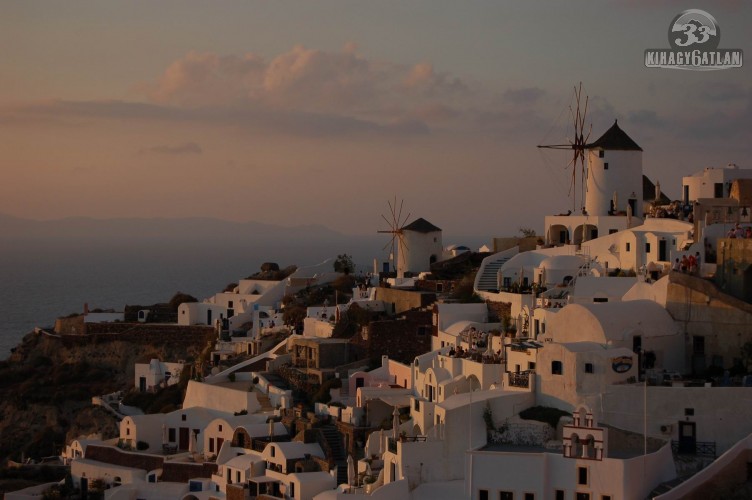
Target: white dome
{"points": [[562, 262]]}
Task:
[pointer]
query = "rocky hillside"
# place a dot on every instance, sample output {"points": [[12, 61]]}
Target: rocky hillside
{"points": [[47, 384]]}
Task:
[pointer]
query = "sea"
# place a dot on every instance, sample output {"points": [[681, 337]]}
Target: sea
{"points": [[40, 281]]}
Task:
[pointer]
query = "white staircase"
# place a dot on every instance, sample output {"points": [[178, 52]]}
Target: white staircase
{"points": [[487, 279]]}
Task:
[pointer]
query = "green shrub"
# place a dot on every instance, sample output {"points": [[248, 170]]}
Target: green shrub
{"points": [[142, 445]]}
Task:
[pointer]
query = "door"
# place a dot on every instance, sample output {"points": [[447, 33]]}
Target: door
{"points": [[183, 438], [142, 384], [209, 317], [687, 437], [662, 251]]}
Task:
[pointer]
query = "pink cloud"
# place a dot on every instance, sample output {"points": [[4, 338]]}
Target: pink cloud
{"points": [[307, 80]]}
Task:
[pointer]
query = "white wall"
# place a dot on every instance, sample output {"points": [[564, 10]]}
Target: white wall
{"points": [[723, 414], [623, 176], [219, 398], [542, 473]]}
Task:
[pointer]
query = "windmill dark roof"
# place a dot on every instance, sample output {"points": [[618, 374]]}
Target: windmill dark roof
{"points": [[421, 225], [615, 139]]}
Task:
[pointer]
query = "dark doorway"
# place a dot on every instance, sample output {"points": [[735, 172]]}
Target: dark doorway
{"points": [[142, 384], [209, 317], [662, 251], [183, 438]]}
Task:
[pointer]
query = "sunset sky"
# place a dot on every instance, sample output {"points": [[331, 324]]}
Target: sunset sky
{"points": [[317, 112]]}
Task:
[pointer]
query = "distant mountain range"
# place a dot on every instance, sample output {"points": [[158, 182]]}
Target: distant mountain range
{"points": [[86, 229]]}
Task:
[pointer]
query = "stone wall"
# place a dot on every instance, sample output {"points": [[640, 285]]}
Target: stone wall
{"points": [[70, 326], [114, 456], [498, 310], [235, 492], [138, 332], [733, 274], [405, 300], [400, 339], [716, 325], [436, 286], [181, 472]]}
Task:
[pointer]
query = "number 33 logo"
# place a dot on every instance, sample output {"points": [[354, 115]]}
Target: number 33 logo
{"points": [[692, 34]]}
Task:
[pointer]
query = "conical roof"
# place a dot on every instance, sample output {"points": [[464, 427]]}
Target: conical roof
{"points": [[615, 139], [421, 225]]}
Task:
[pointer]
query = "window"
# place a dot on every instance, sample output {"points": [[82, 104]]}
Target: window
{"points": [[689, 412], [271, 452], [718, 190], [439, 287], [237, 476], [182, 417], [559, 494], [556, 368], [582, 496], [582, 475], [127, 431], [601, 153], [543, 327], [211, 445], [422, 330], [589, 368], [482, 494], [605, 166], [529, 496], [600, 299], [229, 304], [605, 497], [171, 435], [647, 247], [531, 365], [629, 247], [506, 495], [612, 231], [220, 427], [416, 405]]}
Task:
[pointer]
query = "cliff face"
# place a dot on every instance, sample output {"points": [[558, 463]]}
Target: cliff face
{"points": [[47, 384]]}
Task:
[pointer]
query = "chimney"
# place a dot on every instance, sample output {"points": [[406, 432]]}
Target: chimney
{"points": [[86, 308]]}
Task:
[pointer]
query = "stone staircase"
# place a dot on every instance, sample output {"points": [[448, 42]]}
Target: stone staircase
{"points": [[339, 456], [264, 401]]}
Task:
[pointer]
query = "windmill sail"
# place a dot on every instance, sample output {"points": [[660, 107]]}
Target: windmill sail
{"points": [[577, 145], [396, 225]]}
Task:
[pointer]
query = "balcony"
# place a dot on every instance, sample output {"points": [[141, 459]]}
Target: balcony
{"points": [[698, 448], [520, 380]]}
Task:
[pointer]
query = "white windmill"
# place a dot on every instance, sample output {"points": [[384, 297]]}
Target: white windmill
{"points": [[396, 226]]}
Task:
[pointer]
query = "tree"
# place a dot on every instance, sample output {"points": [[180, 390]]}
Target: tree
{"points": [[269, 266], [180, 298], [527, 232], [344, 264]]}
